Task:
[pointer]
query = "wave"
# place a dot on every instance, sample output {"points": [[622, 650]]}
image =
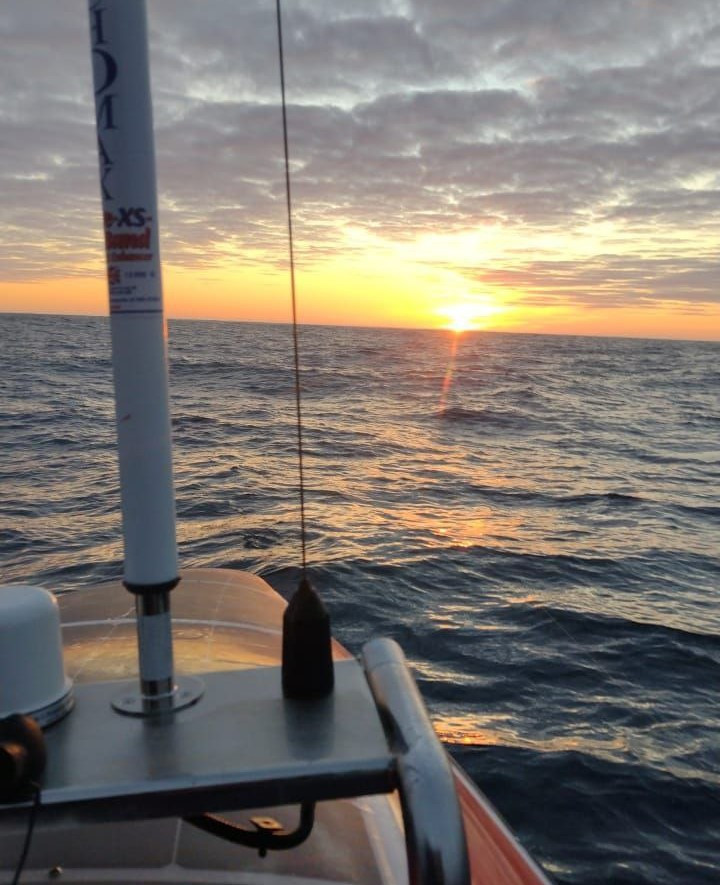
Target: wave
{"points": [[493, 419], [544, 547], [634, 813]]}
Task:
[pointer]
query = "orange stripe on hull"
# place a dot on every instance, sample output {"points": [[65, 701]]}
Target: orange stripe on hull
{"points": [[496, 858]]}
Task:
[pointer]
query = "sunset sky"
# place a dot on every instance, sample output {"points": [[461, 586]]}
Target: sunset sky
{"points": [[520, 165]]}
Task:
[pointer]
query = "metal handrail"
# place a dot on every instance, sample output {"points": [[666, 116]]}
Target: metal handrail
{"points": [[434, 829]]}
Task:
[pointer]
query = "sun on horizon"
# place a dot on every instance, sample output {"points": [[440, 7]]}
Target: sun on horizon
{"points": [[467, 316]]}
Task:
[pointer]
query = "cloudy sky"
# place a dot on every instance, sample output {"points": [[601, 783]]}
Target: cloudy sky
{"points": [[535, 165]]}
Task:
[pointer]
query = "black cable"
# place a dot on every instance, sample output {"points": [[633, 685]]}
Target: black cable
{"points": [[291, 247], [28, 835], [262, 839]]}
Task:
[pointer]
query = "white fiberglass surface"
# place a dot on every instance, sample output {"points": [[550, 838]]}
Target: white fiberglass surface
{"points": [[358, 842]]}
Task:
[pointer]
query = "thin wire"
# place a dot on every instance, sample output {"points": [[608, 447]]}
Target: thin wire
{"points": [[291, 247], [28, 835]]}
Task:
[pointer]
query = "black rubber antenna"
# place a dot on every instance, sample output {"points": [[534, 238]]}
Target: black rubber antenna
{"points": [[307, 667]]}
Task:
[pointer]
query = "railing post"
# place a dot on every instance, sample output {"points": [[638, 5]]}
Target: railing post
{"points": [[434, 829]]}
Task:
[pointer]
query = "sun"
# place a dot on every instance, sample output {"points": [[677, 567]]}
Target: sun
{"points": [[465, 317]]}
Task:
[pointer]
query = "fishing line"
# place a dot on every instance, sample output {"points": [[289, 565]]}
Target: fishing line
{"points": [[291, 248]]}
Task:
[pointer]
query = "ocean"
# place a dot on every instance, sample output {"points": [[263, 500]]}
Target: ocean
{"points": [[534, 518]]}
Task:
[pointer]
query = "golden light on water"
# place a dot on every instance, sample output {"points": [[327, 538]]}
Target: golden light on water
{"points": [[449, 372], [497, 730]]}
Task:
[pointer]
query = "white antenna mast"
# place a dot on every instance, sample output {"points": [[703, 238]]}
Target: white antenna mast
{"points": [[118, 34]]}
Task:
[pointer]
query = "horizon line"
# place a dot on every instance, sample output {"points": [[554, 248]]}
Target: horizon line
{"points": [[360, 326]]}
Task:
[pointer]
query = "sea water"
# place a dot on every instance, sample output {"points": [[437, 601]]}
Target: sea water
{"points": [[535, 519]]}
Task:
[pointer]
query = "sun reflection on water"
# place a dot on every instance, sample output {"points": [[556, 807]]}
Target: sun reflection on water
{"points": [[458, 526], [470, 730], [449, 372]]}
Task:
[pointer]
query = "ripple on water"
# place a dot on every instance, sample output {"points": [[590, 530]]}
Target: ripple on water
{"points": [[534, 518]]}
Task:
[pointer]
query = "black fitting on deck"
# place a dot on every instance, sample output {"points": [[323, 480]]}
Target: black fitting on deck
{"points": [[307, 665], [22, 757]]}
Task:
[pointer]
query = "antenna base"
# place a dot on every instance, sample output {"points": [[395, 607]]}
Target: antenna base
{"points": [[187, 691]]}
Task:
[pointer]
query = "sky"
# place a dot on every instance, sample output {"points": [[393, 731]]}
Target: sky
{"points": [[519, 165]]}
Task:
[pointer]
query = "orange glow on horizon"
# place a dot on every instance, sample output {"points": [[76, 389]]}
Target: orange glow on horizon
{"points": [[466, 316], [360, 293]]}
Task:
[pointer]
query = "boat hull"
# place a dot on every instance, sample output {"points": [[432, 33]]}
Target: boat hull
{"points": [[225, 620]]}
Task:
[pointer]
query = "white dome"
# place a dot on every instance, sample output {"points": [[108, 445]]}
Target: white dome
{"points": [[32, 673]]}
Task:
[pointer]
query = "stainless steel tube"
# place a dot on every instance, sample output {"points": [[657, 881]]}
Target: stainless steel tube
{"points": [[155, 650], [434, 830]]}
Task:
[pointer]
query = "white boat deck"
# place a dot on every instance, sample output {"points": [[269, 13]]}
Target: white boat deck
{"points": [[228, 621], [240, 738]]}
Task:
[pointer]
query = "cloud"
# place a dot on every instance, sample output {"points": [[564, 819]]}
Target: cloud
{"points": [[561, 118], [607, 280]]}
